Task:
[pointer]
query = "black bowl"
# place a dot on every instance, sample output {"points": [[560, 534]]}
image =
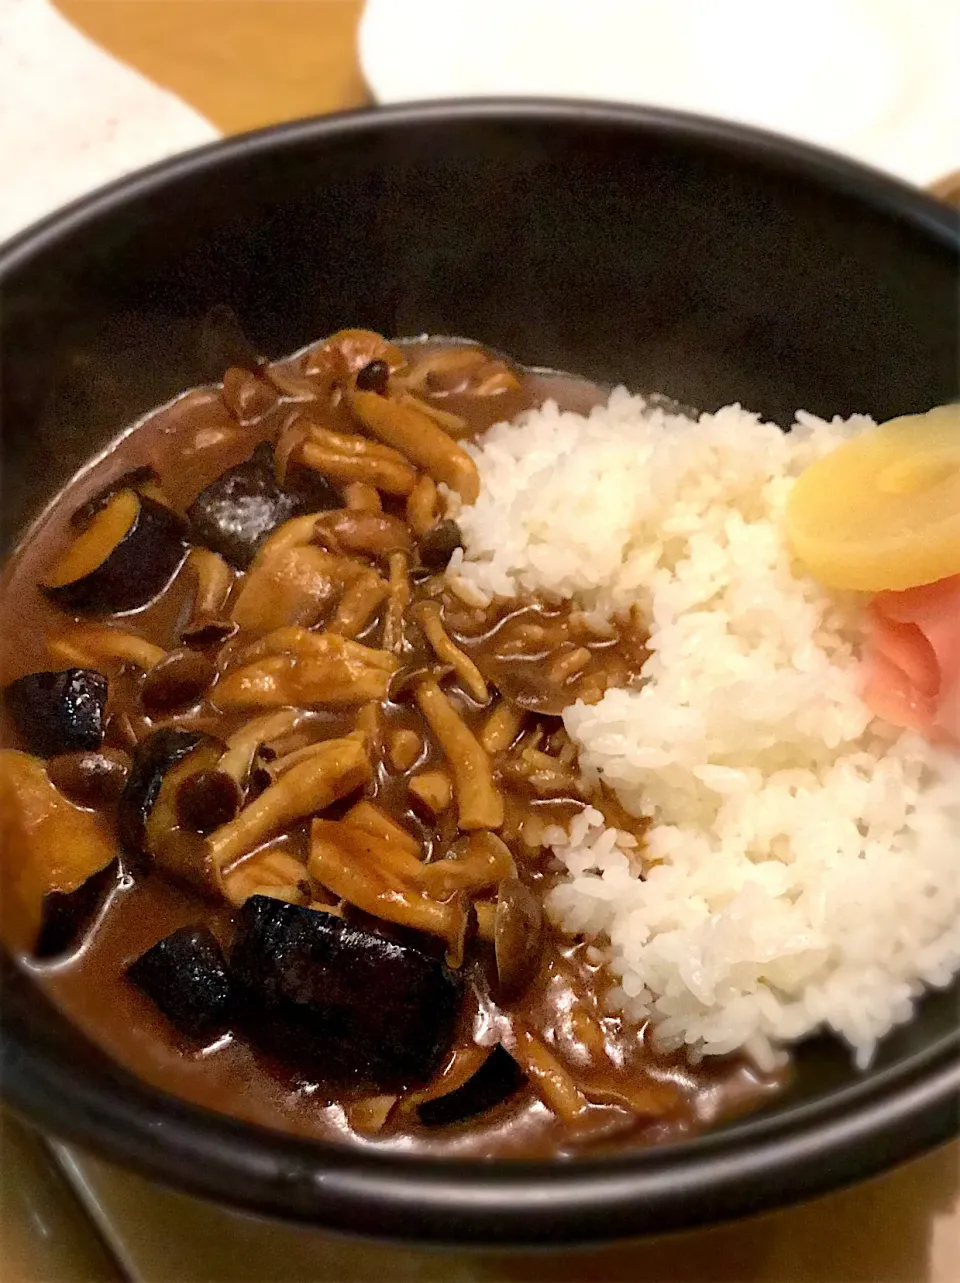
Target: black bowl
{"points": [[697, 259]]}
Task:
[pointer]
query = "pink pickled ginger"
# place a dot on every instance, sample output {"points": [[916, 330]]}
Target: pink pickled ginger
{"points": [[912, 662]]}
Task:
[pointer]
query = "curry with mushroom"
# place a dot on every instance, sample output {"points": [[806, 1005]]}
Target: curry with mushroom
{"points": [[275, 787]]}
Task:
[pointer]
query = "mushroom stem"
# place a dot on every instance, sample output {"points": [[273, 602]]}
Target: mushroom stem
{"points": [[380, 877], [502, 727], [394, 476], [358, 496], [89, 647], [295, 667], [553, 1083], [422, 505], [417, 437], [368, 817], [480, 804], [429, 618], [336, 769], [397, 602], [214, 581], [242, 746], [269, 872]]}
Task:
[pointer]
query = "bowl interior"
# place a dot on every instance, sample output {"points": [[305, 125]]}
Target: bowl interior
{"points": [[683, 258]]}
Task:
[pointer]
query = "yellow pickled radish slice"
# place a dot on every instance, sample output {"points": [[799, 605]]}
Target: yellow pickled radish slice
{"points": [[882, 511]]}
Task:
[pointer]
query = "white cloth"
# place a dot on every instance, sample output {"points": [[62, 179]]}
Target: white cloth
{"points": [[72, 117]]}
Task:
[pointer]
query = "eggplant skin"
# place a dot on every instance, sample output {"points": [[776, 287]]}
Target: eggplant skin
{"points": [[245, 504], [339, 1001], [137, 570], [152, 758], [66, 915], [497, 1079], [186, 976], [58, 712]]}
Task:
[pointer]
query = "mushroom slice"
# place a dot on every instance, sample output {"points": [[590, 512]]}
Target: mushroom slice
{"points": [[345, 353], [479, 803], [397, 601], [382, 878], [541, 775], [292, 581], [431, 792], [429, 618], [417, 437], [347, 457], [421, 509], [295, 667], [392, 477], [438, 544], [237, 760], [57, 859], [370, 533], [485, 912], [360, 602], [246, 396], [452, 424], [502, 727], [358, 496], [338, 767], [462, 371], [368, 817], [94, 647], [462, 1063], [368, 1116], [207, 625], [270, 871], [176, 682], [92, 778], [446, 369], [482, 861], [553, 1083], [405, 748]]}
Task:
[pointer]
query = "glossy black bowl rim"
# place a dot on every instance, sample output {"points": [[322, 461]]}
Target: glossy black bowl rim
{"points": [[791, 1154]]}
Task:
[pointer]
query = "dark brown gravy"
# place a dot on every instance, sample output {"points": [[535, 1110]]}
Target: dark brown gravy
{"points": [[189, 443]]}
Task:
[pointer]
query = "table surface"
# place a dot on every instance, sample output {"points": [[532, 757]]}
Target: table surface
{"points": [[246, 63]]}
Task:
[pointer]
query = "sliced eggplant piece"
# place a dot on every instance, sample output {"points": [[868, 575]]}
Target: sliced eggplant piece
{"points": [[341, 1001], [497, 1078], [236, 512], [58, 712], [149, 814], [51, 849], [66, 915], [124, 558], [145, 480], [186, 975]]}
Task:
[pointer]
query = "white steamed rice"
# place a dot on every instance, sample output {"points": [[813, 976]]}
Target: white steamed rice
{"points": [[801, 864]]}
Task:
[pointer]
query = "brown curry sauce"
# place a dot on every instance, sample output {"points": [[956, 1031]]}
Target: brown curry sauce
{"points": [[538, 655]]}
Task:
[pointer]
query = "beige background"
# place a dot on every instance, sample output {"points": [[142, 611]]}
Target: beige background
{"points": [[246, 63]]}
